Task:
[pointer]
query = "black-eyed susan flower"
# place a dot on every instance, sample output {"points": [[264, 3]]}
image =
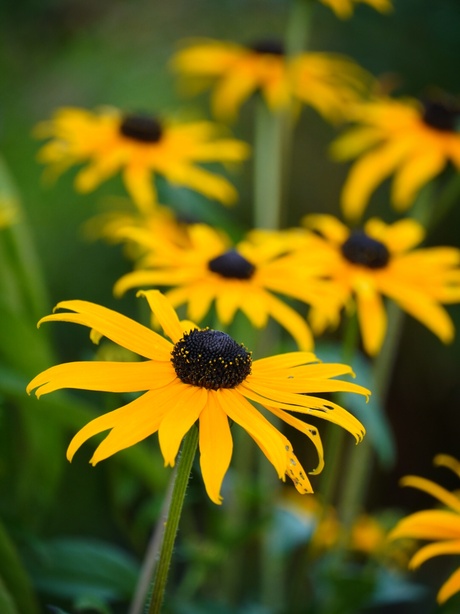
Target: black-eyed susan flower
{"points": [[327, 82], [200, 375], [379, 261], [211, 270], [414, 141], [140, 146], [440, 526], [344, 8]]}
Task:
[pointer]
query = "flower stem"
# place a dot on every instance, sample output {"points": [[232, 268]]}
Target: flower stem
{"points": [[169, 521]]}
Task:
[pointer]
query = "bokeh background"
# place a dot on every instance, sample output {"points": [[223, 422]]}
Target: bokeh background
{"points": [[85, 53]]}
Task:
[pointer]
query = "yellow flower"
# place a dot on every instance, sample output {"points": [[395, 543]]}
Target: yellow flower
{"points": [[327, 82], [344, 8], [204, 376], [139, 146], [404, 137], [442, 526], [380, 261], [241, 277]]}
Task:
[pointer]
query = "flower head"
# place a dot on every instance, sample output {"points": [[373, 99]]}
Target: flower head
{"points": [[246, 276], [139, 146], [441, 526], [344, 8], [200, 375], [327, 82], [364, 266], [412, 140]]}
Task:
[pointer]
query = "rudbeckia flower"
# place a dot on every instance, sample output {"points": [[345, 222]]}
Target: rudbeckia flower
{"points": [[327, 82], [441, 526], [344, 8], [242, 277], [364, 266], [140, 146], [414, 141], [200, 375]]}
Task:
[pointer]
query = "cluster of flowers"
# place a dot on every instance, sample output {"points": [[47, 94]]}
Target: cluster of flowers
{"points": [[203, 374]]}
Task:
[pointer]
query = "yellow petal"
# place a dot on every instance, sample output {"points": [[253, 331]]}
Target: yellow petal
{"points": [[366, 174], [416, 172], [103, 376], [445, 460], [108, 421], [216, 446], [139, 183], [428, 524], [398, 237], [291, 321], [371, 316], [166, 315], [450, 587], [328, 226], [204, 182], [444, 496], [114, 326], [436, 549], [187, 402], [283, 361], [264, 434]]}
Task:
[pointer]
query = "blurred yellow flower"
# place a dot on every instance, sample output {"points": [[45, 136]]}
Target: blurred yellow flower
{"points": [[344, 8], [364, 266], [441, 526], [140, 146], [205, 376], [210, 269], [327, 82], [404, 137]]}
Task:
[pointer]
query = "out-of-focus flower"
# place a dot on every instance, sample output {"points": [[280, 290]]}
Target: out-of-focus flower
{"points": [[344, 8], [140, 146], [364, 266], [414, 141], [327, 82], [202, 375], [441, 526], [367, 535], [210, 270]]}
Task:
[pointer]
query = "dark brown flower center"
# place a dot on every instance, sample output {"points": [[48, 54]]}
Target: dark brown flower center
{"points": [[441, 116], [210, 359], [143, 128], [267, 45], [361, 249], [232, 265]]}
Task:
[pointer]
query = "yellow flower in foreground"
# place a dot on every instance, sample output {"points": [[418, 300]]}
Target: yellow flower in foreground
{"points": [[202, 375], [344, 8], [327, 82], [404, 137], [139, 146], [380, 261], [242, 277], [441, 526]]}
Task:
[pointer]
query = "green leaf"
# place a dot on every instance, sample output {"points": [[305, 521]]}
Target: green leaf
{"points": [[16, 593]]}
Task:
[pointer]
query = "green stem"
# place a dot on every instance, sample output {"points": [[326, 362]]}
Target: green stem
{"points": [[270, 153], [169, 522], [359, 466]]}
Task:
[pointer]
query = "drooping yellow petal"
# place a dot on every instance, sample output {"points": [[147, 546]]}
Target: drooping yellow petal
{"points": [[141, 187], [103, 376], [143, 420], [445, 460], [450, 587], [436, 549], [290, 320], [265, 434], [371, 316], [444, 496], [186, 405], [398, 237], [328, 226], [201, 180], [114, 326], [366, 174], [108, 421], [413, 174], [216, 446], [428, 524]]}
